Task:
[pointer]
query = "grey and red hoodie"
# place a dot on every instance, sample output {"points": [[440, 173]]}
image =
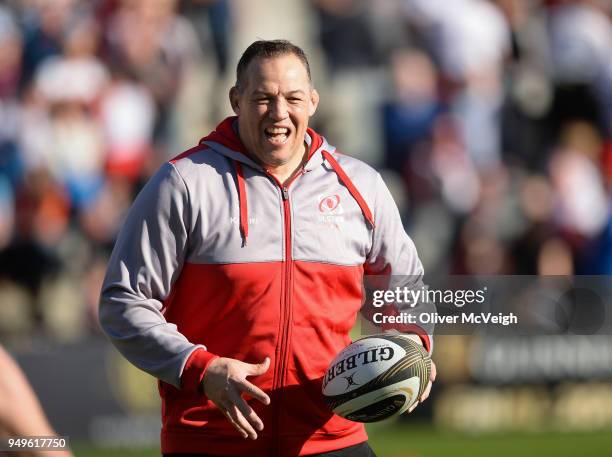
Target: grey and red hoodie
{"points": [[217, 258]]}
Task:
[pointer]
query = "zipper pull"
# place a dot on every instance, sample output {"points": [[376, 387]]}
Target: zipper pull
{"points": [[285, 193]]}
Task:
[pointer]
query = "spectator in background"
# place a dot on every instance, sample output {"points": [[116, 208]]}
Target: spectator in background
{"points": [[127, 114], [470, 40], [11, 47], [151, 43], [410, 110], [355, 59], [11, 43], [45, 24], [528, 86], [580, 40], [211, 20], [71, 84], [347, 37]]}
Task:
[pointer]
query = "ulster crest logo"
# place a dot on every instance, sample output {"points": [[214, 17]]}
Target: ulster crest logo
{"points": [[330, 210], [329, 203]]}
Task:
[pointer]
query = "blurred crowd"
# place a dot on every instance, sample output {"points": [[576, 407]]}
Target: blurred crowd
{"points": [[489, 119]]}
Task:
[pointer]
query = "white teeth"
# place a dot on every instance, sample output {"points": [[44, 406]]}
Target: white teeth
{"points": [[277, 131]]}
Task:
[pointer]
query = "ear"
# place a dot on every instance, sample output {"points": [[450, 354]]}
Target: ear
{"points": [[314, 102], [234, 97]]}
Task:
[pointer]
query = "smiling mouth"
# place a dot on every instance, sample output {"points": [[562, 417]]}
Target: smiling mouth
{"points": [[276, 135]]}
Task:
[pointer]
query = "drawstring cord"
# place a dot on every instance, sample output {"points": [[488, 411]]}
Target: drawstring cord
{"points": [[351, 188], [242, 196]]}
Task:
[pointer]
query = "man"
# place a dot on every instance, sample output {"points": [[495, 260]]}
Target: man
{"points": [[244, 257]]}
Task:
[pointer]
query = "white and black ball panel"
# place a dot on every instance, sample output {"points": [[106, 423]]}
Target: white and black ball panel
{"points": [[381, 403], [371, 355], [376, 377]]}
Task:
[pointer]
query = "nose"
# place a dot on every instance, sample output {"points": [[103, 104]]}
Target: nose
{"points": [[279, 109]]}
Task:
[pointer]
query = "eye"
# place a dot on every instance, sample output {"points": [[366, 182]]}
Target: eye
{"points": [[295, 100]]}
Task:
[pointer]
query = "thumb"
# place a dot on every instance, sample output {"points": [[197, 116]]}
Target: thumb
{"points": [[256, 369]]}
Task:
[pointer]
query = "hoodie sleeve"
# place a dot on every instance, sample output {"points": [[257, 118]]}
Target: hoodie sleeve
{"points": [[145, 263], [393, 262]]}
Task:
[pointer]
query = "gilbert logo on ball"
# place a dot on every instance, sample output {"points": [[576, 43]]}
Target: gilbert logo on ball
{"points": [[376, 377]]}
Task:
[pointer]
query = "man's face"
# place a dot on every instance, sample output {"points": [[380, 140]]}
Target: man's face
{"points": [[273, 106]]}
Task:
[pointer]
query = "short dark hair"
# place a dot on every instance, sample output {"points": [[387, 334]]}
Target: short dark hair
{"points": [[267, 49]]}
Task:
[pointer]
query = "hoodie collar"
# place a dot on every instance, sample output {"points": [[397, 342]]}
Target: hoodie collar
{"points": [[225, 140]]}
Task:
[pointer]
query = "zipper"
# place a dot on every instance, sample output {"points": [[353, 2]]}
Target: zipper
{"points": [[286, 313]]}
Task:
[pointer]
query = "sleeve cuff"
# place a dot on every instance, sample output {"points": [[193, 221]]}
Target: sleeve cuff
{"points": [[195, 369]]}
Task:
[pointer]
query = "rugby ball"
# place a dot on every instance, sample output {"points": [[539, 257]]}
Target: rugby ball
{"points": [[376, 377]]}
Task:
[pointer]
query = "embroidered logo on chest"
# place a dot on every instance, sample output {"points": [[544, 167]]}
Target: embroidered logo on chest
{"points": [[330, 211]]}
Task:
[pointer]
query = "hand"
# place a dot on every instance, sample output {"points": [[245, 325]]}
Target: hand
{"points": [[432, 378], [225, 382]]}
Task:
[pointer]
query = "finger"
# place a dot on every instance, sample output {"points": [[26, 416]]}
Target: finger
{"points": [[225, 411], [434, 372], [248, 412], [255, 369], [253, 391], [413, 407], [237, 417], [426, 392]]}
